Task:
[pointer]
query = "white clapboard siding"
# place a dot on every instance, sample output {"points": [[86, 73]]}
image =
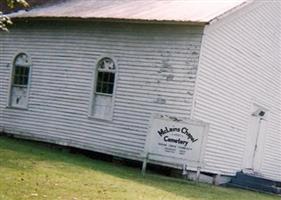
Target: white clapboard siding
{"points": [[239, 66], [157, 67]]}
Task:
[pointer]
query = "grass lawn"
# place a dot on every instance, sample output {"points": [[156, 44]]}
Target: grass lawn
{"points": [[30, 170]]}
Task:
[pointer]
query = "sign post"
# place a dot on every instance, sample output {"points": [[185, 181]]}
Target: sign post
{"points": [[174, 141], [144, 163]]}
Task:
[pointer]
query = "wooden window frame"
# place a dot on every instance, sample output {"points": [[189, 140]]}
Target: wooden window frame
{"points": [[11, 84], [94, 87]]}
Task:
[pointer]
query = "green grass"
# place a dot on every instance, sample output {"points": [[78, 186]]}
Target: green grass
{"points": [[30, 170]]}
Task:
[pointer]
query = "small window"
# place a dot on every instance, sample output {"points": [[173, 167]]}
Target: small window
{"points": [[20, 81], [104, 88]]}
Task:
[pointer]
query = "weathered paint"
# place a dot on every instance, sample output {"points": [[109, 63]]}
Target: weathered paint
{"points": [[157, 66], [240, 67]]}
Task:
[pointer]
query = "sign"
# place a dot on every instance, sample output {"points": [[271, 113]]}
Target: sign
{"points": [[176, 141]]}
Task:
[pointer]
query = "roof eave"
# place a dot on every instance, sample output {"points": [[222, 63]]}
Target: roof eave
{"points": [[121, 20]]}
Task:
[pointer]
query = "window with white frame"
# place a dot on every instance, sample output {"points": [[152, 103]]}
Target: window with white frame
{"points": [[20, 81], [104, 88]]}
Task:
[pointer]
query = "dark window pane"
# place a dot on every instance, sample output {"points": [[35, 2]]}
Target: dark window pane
{"points": [[17, 71], [26, 71], [21, 75], [16, 80], [21, 80], [110, 88], [107, 88], [21, 71], [25, 80], [105, 82], [99, 87], [100, 76], [105, 77], [104, 88], [111, 79]]}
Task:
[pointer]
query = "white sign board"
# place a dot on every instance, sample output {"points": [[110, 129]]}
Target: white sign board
{"points": [[176, 141]]}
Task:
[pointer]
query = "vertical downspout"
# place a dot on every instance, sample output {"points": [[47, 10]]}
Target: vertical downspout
{"points": [[198, 72]]}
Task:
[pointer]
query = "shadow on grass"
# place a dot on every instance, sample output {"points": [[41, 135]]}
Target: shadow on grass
{"points": [[38, 151]]}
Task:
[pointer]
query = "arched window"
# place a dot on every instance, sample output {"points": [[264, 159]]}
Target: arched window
{"points": [[20, 80], [104, 88]]}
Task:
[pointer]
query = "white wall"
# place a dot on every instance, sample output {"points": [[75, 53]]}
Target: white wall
{"points": [[157, 69], [240, 66]]}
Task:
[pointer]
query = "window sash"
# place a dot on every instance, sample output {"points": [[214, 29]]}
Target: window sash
{"points": [[20, 82], [103, 94], [20, 75], [105, 82], [103, 89], [21, 86]]}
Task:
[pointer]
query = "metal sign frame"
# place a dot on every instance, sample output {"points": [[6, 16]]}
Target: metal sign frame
{"points": [[152, 156]]}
